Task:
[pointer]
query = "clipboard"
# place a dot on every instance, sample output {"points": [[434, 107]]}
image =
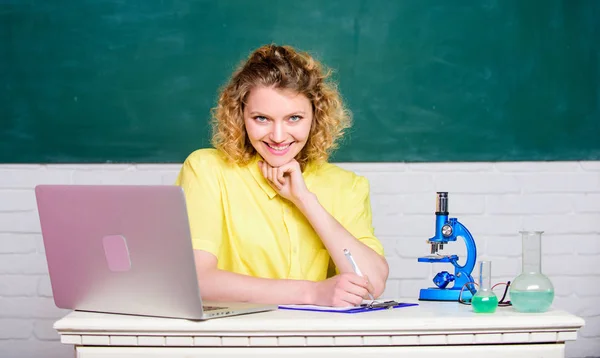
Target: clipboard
{"points": [[364, 307]]}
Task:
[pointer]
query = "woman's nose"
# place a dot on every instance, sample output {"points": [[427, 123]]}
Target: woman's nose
{"points": [[278, 132]]}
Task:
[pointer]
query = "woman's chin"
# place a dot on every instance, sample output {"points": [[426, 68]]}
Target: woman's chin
{"points": [[277, 161]]}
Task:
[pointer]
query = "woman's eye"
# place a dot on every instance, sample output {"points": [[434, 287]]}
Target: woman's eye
{"points": [[295, 118], [260, 119]]}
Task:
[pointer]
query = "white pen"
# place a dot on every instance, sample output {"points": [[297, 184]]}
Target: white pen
{"points": [[355, 268]]}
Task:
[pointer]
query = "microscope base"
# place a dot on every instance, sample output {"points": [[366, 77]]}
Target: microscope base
{"points": [[446, 294]]}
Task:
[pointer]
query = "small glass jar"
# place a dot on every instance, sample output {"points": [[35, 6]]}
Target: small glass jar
{"points": [[485, 300], [531, 291]]}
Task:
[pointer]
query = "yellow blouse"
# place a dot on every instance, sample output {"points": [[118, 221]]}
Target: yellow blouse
{"points": [[238, 217]]}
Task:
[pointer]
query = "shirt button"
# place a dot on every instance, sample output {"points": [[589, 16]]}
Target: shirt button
{"points": [[295, 250]]}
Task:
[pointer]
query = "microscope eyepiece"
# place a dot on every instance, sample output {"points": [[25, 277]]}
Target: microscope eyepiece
{"points": [[441, 207]]}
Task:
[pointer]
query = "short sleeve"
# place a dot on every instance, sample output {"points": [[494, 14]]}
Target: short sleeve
{"points": [[357, 217], [199, 179]]}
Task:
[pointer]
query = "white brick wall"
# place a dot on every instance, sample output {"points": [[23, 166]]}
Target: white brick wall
{"points": [[494, 200]]}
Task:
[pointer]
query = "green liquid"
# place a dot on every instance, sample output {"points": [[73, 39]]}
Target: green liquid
{"points": [[484, 304], [531, 301]]}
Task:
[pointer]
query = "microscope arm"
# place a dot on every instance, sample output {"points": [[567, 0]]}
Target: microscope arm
{"points": [[467, 268]]}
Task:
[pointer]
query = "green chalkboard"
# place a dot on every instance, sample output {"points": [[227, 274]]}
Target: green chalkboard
{"points": [[133, 81]]}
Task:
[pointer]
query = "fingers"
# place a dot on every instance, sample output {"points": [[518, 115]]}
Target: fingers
{"points": [[280, 177], [345, 297], [343, 290], [352, 288], [277, 178], [370, 287], [367, 285], [274, 175], [292, 168], [362, 281], [347, 300], [356, 290]]}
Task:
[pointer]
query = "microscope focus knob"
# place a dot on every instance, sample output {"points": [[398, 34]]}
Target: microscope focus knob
{"points": [[447, 230], [442, 279]]}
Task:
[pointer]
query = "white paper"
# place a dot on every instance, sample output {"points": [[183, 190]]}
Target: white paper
{"points": [[326, 308]]}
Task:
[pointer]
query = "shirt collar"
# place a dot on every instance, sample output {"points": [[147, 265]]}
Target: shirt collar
{"points": [[308, 175]]}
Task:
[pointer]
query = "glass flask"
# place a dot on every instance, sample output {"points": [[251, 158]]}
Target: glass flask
{"points": [[484, 300], [531, 291]]}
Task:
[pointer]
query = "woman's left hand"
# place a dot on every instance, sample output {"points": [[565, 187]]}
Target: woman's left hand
{"points": [[287, 180]]}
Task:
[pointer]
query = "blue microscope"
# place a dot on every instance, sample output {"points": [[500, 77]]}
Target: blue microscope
{"points": [[446, 230]]}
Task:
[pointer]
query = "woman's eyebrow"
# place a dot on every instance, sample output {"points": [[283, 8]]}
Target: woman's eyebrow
{"points": [[259, 113]]}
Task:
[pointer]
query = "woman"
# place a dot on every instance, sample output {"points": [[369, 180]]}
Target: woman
{"points": [[270, 218]]}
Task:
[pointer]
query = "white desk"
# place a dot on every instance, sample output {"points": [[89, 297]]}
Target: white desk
{"points": [[428, 330]]}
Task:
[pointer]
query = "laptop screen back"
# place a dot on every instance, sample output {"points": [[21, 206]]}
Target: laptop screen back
{"points": [[119, 249]]}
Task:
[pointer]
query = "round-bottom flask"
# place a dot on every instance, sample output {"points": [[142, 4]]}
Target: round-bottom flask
{"points": [[531, 291], [485, 300]]}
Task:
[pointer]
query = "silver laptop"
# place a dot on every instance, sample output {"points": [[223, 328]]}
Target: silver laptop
{"points": [[124, 249]]}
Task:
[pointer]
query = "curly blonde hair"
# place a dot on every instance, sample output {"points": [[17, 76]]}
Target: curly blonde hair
{"points": [[280, 67]]}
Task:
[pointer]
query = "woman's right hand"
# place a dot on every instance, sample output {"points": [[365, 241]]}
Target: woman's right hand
{"points": [[343, 290]]}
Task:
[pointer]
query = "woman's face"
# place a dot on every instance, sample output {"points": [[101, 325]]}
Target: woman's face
{"points": [[278, 123]]}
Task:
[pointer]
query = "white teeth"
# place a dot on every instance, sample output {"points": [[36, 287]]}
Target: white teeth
{"points": [[279, 149]]}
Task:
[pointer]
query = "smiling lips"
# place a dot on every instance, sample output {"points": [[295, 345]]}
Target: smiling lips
{"points": [[278, 149]]}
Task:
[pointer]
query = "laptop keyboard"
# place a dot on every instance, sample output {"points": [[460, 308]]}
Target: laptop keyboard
{"points": [[212, 308]]}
